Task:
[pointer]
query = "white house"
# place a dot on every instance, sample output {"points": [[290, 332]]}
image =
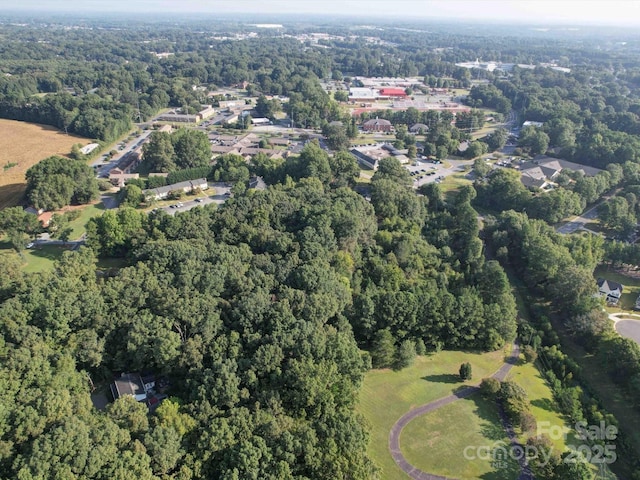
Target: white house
{"points": [[610, 290]]}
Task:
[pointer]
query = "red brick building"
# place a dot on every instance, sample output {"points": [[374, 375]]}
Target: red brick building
{"points": [[377, 125]]}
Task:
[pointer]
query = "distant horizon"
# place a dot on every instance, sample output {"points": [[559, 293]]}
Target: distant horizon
{"points": [[621, 13]]}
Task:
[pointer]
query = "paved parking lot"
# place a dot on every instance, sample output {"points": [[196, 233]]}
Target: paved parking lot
{"points": [[428, 172], [221, 193]]}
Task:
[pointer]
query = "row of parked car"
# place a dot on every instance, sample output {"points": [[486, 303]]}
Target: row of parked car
{"points": [[421, 173]]}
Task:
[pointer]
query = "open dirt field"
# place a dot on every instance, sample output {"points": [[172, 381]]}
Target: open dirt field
{"points": [[25, 144]]}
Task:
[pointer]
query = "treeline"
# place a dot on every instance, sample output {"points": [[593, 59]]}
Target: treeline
{"points": [[591, 116], [398, 274], [558, 271], [89, 116]]}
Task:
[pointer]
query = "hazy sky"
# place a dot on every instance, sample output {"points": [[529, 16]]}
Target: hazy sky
{"points": [[612, 12]]}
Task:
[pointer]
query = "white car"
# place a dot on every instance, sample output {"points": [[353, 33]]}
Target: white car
{"points": [[31, 245]]}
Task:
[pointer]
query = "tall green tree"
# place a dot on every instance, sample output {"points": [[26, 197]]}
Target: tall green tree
{"points": [[158, 153], [191, 148]]}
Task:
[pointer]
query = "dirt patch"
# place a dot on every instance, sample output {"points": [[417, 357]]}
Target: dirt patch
{"points": [[22, 145]]}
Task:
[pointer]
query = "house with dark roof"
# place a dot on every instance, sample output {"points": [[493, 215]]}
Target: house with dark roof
{"points": [[377, 125], [540, 173], [610, 290], [257, 183], [129, 384]]}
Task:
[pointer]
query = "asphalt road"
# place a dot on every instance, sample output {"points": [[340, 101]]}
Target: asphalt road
{"points": [[579, 222], [104, 168], [629, 329]]}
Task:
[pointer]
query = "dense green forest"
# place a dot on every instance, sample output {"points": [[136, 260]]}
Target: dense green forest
{"points": [[256, 313], [264, 314]]}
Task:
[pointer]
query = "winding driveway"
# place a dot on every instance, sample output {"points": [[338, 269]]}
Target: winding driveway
{"points": [[396, 430]]}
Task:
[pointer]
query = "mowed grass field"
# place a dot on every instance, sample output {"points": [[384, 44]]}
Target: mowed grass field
{"points": [[386, 395], [438, 441], [435, 442], [25, 144]]}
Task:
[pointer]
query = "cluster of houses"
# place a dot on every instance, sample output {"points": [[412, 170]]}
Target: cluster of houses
{"points": [[249, 144]]}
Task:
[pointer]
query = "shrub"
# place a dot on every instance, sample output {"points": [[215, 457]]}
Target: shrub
{"points": [[527, 422], [405, 355], [530, 355], [489, 387], [465, 371]]}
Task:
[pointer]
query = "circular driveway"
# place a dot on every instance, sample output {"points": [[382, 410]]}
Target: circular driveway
{"points": [[394, 436]]}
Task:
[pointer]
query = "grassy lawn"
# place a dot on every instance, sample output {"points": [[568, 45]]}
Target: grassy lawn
{"points": [[630, 292], [37, 259], [437, 442], [43, 258], [78, 225], [386, 395], [484, 131], [366, 174], [452, 183], [542, 405]]}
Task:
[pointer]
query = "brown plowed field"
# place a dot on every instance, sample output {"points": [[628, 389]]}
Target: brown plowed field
{"points": [[26, 144]]}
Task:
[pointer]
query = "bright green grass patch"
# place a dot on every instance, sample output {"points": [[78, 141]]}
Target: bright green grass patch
{"points": [[78, 225], [631, 287], [435, 442], [484, 131], [450, 441], [38, 259], [452, 183], [386, 395], [543, 406], [42, 258]]}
